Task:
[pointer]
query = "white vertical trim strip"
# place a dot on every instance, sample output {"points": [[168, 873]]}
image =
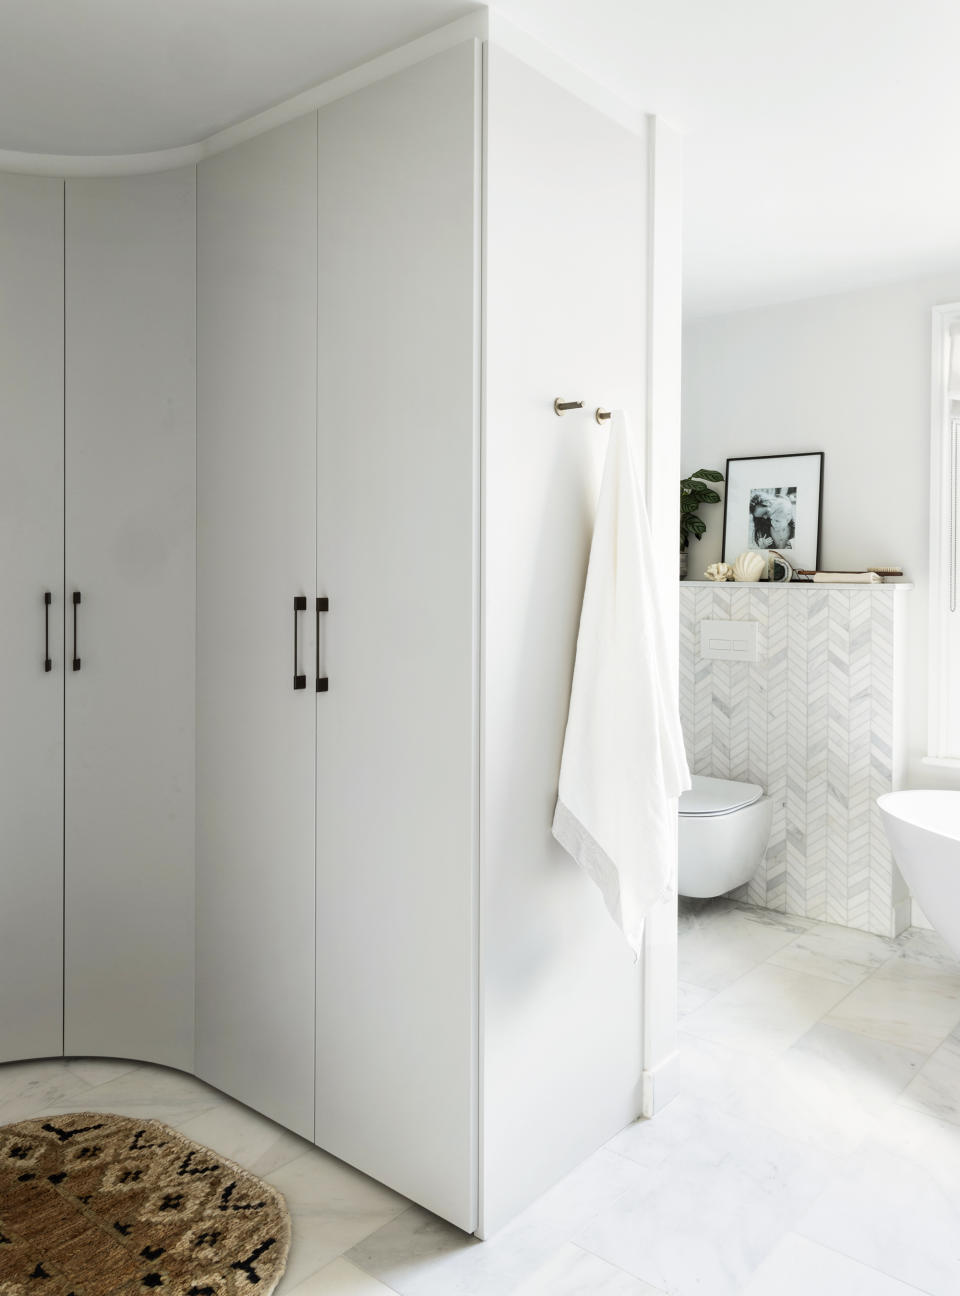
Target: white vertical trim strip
{"points": [[954, 425], [943, 743], [664, 179]]}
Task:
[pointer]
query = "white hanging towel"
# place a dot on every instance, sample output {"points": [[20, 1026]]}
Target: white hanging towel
{"points": [[623, 757]]}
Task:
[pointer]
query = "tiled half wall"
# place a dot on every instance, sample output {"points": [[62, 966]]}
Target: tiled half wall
{"points": [[816, 722]]}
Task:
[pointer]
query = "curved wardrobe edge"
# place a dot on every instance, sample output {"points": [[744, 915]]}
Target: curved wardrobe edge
{"points": [[21, 1060]]}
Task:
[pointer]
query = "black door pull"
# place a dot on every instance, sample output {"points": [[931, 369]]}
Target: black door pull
{"points": [[323, 684], [47, 600], [299, 605], [76, 604]]}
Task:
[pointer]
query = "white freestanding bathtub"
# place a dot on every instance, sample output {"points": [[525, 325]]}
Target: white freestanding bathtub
{"points": [[924, 832]]}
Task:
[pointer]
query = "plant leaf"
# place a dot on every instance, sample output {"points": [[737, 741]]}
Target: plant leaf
{"points": [[708, 474], [696, 525], [689, 504], [707, 496]]}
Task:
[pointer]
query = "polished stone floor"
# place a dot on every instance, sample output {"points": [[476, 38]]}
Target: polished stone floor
{"points": [[813, 1149]]}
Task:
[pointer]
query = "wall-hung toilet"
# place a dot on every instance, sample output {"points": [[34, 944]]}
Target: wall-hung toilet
{"points": [[724, 830]]}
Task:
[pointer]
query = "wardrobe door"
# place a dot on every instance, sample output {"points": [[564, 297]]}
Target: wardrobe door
{"points": [[131, 554], [257, 309], [31, 567], [397, 557]]}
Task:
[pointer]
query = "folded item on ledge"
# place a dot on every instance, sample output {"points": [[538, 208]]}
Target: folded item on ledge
{"points": [[842, 577]]}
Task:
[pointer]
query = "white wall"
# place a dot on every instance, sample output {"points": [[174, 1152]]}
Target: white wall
{"points": [[566, 315], [849, 375]]}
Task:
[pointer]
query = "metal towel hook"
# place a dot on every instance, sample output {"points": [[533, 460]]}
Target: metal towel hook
{"points": [[560, 407], [602, 415]]}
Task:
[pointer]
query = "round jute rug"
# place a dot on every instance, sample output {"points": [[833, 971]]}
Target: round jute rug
{"points": [[98, 1205]]}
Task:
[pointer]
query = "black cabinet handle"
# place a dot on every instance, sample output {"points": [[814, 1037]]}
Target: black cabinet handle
{"points": [[323, 684], [76, 604], [299, 605], [47, 600]]}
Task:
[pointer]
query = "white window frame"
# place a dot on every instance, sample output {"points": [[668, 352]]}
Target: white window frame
{"points": [[943, 730]]}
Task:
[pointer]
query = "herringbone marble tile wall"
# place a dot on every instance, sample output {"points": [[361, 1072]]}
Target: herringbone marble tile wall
{"points": [[812, 722]]}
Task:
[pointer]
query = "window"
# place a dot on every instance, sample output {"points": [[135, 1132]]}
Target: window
{"points": [[944, 682]]}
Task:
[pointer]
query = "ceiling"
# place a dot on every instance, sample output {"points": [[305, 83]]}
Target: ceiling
{"points": [[817, 136]]}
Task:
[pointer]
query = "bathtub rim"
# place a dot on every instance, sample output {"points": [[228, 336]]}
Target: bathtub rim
{"points": [[926, 809]]}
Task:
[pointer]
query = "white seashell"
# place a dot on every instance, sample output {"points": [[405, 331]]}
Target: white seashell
{"points": [[750, 566], [719, 572]]}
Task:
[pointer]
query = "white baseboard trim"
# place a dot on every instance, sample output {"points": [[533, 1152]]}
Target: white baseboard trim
{"points": [[660, 1085]]}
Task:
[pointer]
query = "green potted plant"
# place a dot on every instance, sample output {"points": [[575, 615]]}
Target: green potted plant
{"points": [[694, 491]]}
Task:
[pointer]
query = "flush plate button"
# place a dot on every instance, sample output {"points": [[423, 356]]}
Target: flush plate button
{"points": [[729, 640]]}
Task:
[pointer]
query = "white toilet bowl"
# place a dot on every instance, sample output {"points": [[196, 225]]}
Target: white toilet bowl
{"points": [[724, 830]]}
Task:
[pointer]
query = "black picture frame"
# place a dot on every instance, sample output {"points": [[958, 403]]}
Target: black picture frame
{"points": [[802, 550]]}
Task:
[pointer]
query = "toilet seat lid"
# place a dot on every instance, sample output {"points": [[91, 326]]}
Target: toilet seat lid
{"points": [[713, 796]]}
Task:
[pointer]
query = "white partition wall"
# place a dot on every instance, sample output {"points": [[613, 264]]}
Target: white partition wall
{"points": [[397, 556], [130, 544], [257, 313], [566, 316], [31, 544]]}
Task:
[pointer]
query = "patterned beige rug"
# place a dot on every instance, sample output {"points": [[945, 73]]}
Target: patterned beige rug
{"points": [[95, 1205]]}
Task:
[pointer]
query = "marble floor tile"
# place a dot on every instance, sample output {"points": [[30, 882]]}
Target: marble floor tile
{"points": [[936, 1087], [832, 1086], [799, 1267], [776, 917], [868, 1069], [895, 1206], [922, 1139], [33, 1088], [813, 1147], [155, 1093], [802, 1105], [905, 1002], [719, 942], [836, 953], [919, 945], [650, 1143], [420, 1255], [573, 1272], [340, 1278], [690, 997], [828, 1089], [713, 1208], [332, 1206], [766, 1011], [246, 1137], [419, 1252], [708, 1071], [96, 1071]]}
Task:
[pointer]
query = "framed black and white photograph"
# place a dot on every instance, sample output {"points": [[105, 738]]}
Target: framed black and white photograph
{"points": [[775, 502]]}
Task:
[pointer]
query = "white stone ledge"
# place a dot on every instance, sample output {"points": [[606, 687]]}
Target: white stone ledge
{"points": [[870, 588]]}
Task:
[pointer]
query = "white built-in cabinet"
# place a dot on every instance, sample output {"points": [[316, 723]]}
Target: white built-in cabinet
{"points": [[290, 818], [97, 508], [394, 957], [398, 556], [129, 870], [256, 733], [31, 632], [338, 348]]}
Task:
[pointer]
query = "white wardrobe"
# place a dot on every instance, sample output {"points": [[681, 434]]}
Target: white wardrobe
{"points": [[338, 347], [388, 938], [97, 515], [305, 774]]}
